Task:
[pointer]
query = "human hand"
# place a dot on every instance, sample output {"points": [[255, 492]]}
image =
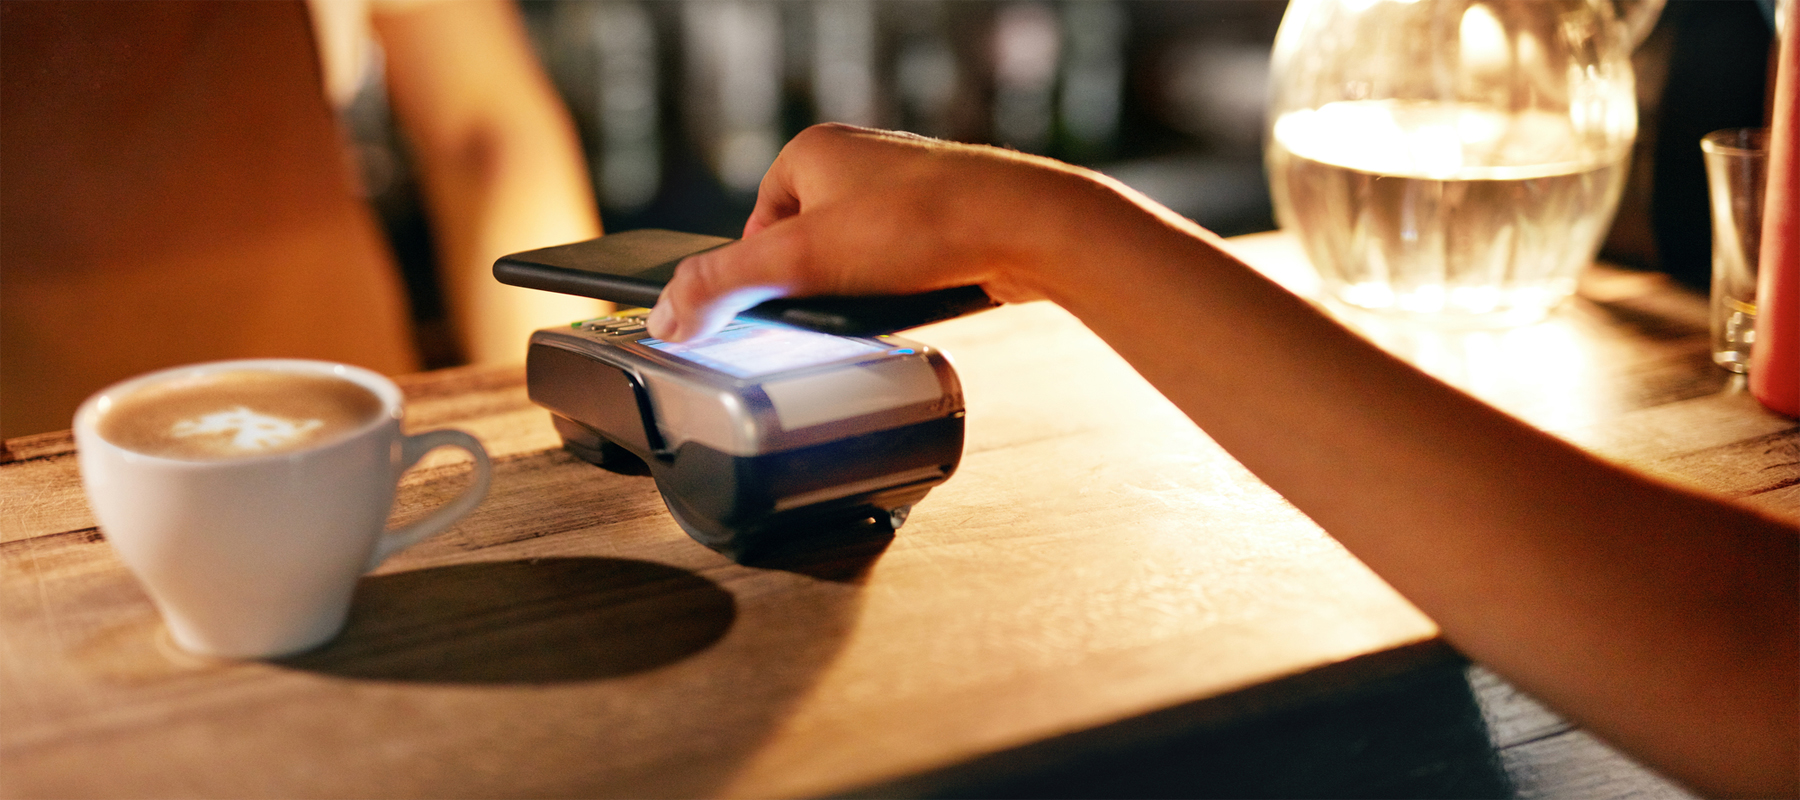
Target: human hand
{"points": [[853, 211]]}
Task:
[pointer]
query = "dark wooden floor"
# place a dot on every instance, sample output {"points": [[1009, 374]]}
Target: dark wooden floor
{"points": [[1445, 729]]}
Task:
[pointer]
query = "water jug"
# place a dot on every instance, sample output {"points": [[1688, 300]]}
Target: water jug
{"points": [[1456, 161]]}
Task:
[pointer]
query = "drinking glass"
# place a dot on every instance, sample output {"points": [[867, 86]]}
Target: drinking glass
{"points": [[1737, 169]]}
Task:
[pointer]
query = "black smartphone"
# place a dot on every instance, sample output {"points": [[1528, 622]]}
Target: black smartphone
{"points": [[631, 268]]}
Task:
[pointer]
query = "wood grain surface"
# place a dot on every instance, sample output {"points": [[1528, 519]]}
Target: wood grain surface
{"points": [[1098, 575]]}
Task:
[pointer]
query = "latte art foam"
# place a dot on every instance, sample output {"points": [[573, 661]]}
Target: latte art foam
{"points": [[237, 414], [249, 431]]}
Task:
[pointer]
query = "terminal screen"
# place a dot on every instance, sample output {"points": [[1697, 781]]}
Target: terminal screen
{"points": [[747, 349]]}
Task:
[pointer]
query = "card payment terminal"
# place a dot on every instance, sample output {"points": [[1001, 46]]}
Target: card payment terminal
{"points": [[762, 432]]}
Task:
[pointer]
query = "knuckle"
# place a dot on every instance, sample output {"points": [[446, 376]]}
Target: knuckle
{"points": [[815, 135], [830, 129]]}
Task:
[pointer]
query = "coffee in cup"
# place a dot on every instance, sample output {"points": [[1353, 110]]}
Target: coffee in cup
{"points": [[237, 414], [249, 496]]}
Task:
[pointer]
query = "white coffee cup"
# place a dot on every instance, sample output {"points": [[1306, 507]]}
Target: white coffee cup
{"points": [[253, 549]]}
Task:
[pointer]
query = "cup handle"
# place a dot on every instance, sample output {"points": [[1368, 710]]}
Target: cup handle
{"points": [[413, 448]]}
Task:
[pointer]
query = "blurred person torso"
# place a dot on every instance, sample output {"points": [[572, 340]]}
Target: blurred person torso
{"points": [[174, 188]]}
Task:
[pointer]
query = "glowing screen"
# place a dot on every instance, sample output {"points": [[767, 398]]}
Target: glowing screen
{"points": [[755, 349]]}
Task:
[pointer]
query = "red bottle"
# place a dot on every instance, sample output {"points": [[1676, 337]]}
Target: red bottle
{"points": [[1775, 358]]}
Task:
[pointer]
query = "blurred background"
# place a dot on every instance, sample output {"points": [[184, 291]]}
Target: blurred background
{"points": [[678, 107], [682, 104]]}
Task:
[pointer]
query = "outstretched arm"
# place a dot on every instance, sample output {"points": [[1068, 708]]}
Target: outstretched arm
{"points": [[1663, 619], [499, 160]]}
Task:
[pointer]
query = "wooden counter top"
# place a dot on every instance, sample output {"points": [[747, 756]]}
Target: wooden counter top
{"points": [[1097, 564]]}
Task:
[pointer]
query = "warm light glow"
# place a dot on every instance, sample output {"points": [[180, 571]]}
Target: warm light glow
{"points": [[1440, 141], [1546, 373], [1483, 41]]}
